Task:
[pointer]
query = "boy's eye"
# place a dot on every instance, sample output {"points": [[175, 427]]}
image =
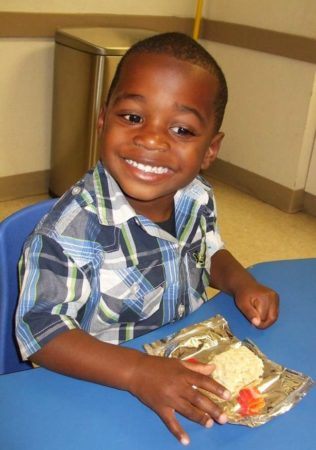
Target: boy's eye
{"points": [[134, 118], [182, 131]]}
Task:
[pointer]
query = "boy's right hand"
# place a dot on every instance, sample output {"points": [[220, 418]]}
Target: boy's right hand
{"points": [[169, 385], [166, 385]]}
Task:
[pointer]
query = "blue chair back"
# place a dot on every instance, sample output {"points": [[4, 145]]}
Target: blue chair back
{"points": [[13, 232]]}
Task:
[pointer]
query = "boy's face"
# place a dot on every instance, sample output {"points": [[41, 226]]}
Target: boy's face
{"points": [[158, 129]]}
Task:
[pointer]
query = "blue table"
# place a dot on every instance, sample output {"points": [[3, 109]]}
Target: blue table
{"points": [[41, 410]]}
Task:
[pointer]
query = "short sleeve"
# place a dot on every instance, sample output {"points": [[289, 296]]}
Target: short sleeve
{"points": [[53, 292]]}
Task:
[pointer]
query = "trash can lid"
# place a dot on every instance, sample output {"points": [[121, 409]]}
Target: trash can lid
{"points": [[101, 41]]}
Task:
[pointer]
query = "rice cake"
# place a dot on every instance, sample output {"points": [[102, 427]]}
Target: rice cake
{"points": [[236, 368]]}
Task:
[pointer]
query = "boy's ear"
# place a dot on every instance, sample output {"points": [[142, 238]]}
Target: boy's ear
{"points": [[101, 119], [212, 151]]}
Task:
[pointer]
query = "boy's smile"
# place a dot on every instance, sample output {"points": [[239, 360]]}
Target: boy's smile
{"points": [[158, 130]]}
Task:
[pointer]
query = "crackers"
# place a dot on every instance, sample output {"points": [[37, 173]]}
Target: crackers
{"points": [[237, 368]]}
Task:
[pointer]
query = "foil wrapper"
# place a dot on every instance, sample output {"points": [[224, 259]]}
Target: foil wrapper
{"points": [[274, 393]]}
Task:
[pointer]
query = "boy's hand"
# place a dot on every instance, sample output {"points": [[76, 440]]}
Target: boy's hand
{"points": [[166, 385], [169, 385], [259, 304]]}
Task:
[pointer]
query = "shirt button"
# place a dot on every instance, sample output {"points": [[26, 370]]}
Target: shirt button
{"points": [[76, 190], [134, 289], [181, 310]]}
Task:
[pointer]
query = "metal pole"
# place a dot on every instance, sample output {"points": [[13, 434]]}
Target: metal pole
{"points": [[197, 20]]}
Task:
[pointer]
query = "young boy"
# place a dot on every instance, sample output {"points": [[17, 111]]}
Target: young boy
{"points": [[133, 244]]}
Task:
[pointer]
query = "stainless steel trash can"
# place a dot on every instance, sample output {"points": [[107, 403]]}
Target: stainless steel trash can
{"points": [[85, 62]]}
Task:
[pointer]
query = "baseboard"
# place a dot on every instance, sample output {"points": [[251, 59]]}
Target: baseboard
{"points": [[310, 203], [259, 187], [24, 185]]}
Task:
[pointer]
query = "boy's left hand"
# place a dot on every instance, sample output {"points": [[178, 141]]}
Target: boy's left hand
{"points": [[259, 304]]}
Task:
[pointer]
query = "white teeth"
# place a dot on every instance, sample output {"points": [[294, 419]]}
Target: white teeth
{"points": [[147, 168]]}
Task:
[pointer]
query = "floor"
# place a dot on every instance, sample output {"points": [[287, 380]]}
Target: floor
{"points": [[252, 230], [10, 206]]}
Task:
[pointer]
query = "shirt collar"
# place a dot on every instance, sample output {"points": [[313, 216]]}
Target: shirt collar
{"points": [[112, 206], [197, 190]]}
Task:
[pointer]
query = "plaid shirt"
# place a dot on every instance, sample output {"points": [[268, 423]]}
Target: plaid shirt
{"points": [[93, 263]]}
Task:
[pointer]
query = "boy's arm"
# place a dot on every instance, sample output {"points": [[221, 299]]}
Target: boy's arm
{"points": [[163, 384], [256, 301], [166, 385]]}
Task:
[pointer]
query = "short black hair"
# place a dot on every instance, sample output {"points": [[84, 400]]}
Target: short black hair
{"points": [[184, 48]]}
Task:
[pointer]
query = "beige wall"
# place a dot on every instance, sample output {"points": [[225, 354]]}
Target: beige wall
{"points": [[26, 103], [309, 144], [289, 16], [271, 116], [179, 8], [265, 123]]}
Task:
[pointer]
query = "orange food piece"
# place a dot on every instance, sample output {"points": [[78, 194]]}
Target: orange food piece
{"points": [[193, 360], [251, 401]]}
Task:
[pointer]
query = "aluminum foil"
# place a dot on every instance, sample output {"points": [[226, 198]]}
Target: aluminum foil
{"points": [[275, 393]]}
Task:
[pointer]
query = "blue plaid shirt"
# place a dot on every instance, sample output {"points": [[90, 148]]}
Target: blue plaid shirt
{"points": [[93, 263]]}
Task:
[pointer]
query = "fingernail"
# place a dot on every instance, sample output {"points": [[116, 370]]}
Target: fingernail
{"points": [[255, 321], [209, 423], [185, 440], [226, 395], [222, 419]]}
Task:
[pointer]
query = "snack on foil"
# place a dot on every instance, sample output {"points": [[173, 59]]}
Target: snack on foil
{"points": [[261, 389], [236, 368]]}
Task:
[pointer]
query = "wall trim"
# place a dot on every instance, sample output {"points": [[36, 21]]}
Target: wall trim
{"points": [[24, 185], [261, 40], [44, 25], [275, 194]]}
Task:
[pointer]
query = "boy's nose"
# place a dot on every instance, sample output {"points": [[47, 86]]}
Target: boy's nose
{"points": [[152, 139]]}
